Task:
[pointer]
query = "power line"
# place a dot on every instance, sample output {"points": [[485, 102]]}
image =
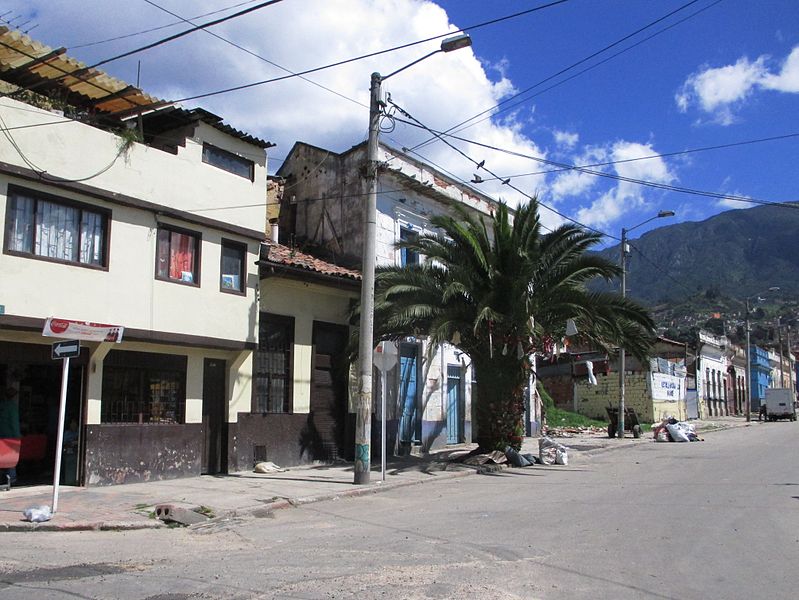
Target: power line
{"points": [[490, 111], [643, 182], [661, 155], [357, 58], [160, 27], [258, 56], [506, 181]]}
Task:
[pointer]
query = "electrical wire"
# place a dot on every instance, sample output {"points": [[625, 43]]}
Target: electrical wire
{"points": [[490, 112], [565, 166], [653, 156], [505, 181], [258, 56], [160, 27]]}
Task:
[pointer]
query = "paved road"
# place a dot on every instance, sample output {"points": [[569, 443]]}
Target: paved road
{"points": [[718, 519]]}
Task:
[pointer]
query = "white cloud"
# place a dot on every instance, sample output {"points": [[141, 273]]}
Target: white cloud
{"points": [[626, 196], [718, 91], [566, 139], [440, 91], [728, 203]]}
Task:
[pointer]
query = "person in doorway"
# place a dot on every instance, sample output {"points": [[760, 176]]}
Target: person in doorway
{"points": [[9, 421]]}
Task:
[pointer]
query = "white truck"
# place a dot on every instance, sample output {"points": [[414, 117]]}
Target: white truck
{"points": [[780, 404]]}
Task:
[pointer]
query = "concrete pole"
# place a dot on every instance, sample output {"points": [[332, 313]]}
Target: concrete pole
{"points": [[621, 348], [363, 411], [748, 368], [779, 337]]}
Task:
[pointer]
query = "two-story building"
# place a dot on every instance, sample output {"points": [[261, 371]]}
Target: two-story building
{"points": [[711, 374], [158, 237], [760, 375], [429, 390]]}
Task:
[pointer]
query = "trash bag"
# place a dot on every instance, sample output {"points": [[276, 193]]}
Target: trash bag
{"points": [[677, 433], [37, 514], [552, 453], [516, 459]]}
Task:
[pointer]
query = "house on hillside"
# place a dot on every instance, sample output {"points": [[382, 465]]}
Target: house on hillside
{"points": [[322, 213], [157, 238], [655, 389]]}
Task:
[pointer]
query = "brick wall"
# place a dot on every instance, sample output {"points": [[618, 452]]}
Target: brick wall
{"points": [[593, 399]]}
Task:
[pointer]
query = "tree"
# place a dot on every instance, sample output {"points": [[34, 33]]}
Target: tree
{"points": [[500, 290]]}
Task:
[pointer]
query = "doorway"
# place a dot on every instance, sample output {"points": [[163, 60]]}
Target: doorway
{"points": [[330, 431], [214, 458], [454, 403], [410, 423]]}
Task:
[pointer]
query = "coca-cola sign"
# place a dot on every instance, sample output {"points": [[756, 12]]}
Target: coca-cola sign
{"points": [[82, 330]]}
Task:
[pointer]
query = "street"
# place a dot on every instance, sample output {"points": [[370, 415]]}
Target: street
{"points": [[715, 519]]}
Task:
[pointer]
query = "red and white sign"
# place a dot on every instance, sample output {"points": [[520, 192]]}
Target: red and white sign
{"points": [[82, 330]]}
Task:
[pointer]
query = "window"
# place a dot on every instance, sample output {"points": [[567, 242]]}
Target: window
{"points": [[232, 163], [140, 387], [44, 226], [272, 369], [178, 256], [408, 256], [233, 275]]}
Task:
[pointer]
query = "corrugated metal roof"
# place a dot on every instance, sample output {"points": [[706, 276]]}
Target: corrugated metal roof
{"points": [[39, 68]]}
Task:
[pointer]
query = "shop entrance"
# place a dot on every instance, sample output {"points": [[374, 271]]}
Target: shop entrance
{"points": [[31, 379]]}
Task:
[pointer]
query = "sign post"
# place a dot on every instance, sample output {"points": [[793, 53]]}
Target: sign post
{"points": [[62, 351], [78, 330]]}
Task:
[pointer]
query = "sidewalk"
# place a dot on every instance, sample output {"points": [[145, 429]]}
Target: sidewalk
{"points": [[251, 494]]}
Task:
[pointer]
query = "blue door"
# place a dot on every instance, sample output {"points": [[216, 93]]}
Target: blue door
{"points": [[410, 425], [454, 434]]}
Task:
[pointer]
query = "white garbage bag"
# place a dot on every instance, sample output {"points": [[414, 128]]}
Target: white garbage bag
{"points": [[37, 514], [552, 453]]}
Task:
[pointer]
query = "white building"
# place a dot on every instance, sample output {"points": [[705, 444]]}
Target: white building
{"points": [[160, 238], [429, 402], [711, 374]]}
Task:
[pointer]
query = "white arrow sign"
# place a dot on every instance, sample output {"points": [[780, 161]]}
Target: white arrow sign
{"points": [[69, 349]]}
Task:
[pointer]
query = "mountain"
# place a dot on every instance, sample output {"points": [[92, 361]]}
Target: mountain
{"points": [[737, 253]]}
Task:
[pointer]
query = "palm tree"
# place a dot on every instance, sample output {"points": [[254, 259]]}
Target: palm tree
{"points": [[500, 295]]}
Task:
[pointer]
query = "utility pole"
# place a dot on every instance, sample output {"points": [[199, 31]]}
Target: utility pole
{"points": [[779, 337], [748, 368], [363, 408], [622, 367]]}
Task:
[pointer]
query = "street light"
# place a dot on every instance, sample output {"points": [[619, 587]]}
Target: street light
{"points": [[363, 410], [749, 354], [624, 232]]}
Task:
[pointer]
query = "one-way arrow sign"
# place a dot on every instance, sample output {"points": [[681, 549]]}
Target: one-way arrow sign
{"points": [[69, 349]]}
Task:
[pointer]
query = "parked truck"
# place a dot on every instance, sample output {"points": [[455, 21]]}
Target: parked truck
{"points": [[780, 404]]}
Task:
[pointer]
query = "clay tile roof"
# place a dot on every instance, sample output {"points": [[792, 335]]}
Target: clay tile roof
{"points": [[290, 257]]}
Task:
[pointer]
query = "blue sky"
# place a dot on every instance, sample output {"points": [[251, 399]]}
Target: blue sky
{"points": [[726, 75]]}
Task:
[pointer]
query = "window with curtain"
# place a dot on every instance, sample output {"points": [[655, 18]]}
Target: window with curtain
{"points": [[233, 277], [272, 365], [44, 226], [178, 255]]}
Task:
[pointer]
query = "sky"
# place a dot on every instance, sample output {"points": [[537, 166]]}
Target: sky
{"points": [[577, 82]]}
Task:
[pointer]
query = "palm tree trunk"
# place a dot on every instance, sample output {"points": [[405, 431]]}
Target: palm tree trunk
{"points": [[500, 401]]}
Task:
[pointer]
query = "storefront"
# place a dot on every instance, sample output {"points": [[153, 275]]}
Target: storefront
{"points": [[32, 379]]}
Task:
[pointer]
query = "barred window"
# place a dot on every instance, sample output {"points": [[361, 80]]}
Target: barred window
{"points": [[272, 369], [140, 387], [48, 227]]}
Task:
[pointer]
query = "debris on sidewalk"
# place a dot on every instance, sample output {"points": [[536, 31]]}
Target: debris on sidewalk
{"points": [[574, 431], [496, 458], [169, 513], [268, 467], [552, 453], [520, 460], [672, 430], [38, 514]]}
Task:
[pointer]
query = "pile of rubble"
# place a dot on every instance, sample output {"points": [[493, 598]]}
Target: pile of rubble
{"points": [[566, 432]]}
